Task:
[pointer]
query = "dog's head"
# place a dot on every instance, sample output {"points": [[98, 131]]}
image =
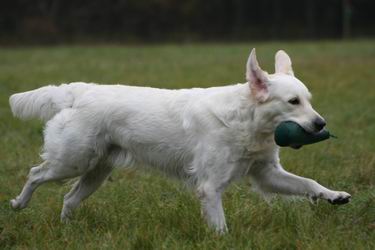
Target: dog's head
{"points": [[281, 96]]}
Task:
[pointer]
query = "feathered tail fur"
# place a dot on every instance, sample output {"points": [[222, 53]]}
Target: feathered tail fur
{"points": [[45, 102]]}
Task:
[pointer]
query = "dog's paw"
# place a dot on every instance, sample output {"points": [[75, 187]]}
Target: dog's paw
{"points": [[340, 198], [66, 214], [65, 217], [16, 204]]}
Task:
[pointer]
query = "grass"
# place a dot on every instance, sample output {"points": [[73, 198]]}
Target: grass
{"points": [[140, 210]]}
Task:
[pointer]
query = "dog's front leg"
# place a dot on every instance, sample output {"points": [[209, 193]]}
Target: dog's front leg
{"points": [[274, 179], [212, 207]]}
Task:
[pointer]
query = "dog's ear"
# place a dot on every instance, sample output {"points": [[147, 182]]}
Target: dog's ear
{"points": [[257, 78], [283, 64]]}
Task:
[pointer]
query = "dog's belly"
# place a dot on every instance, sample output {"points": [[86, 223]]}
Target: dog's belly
{"points": [[166, 148], [163, 158]]}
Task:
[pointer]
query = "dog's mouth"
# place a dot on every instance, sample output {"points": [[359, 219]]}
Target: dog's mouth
{"points": [[307, 128], [297, 146]]}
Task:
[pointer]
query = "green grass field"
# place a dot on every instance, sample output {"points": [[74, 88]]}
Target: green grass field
{"points": [[142, 210]]}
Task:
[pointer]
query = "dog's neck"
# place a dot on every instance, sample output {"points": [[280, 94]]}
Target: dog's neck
{"points": [[250, 127]]}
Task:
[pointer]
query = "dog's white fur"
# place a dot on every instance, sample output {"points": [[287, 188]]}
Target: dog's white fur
{"points": [[210, 136]]}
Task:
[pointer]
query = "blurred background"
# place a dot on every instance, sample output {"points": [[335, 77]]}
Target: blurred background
{"points": [[133, 21]]}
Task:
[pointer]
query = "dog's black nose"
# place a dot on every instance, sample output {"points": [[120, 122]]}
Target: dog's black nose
{"points": [[319, 124]]}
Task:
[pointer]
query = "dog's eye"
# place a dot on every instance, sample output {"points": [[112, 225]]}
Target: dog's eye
{"points": [[294, 101]]}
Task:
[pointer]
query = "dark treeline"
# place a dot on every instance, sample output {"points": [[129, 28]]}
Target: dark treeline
{"points": [[50, 21]]}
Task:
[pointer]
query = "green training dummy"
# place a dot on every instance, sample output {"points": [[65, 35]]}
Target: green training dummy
{"points": [[291, 134]]}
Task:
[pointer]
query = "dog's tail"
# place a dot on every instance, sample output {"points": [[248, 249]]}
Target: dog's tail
{"points": [[45, 102]]}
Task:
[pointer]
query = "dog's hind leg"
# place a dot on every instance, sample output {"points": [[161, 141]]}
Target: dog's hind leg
{"points": [[37, 176], [83, 188]]}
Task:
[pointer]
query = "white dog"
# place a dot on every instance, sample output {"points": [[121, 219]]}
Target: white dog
{"points": [[210, 136]]}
